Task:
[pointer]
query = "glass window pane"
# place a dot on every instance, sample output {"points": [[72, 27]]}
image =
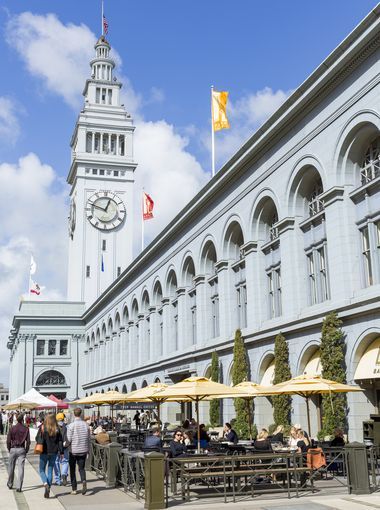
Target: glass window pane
{"points": [[40, 347], [52, 347], [63, 347]]}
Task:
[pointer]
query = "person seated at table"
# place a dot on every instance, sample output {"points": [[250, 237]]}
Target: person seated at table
{"points": [[177, 447], [298, 427], [303, 443], [338, 438], [293, 438], [188, 437], [204, 438], [154, 439], [262, 442], [229, 434], [186, 424], [278, 435], [193, 424]]}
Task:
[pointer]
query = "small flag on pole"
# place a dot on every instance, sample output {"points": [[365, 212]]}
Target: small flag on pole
{"points": [[35, 288], [105, 25], [33, 265], [219, 107], [148, 205], [102, 264]]}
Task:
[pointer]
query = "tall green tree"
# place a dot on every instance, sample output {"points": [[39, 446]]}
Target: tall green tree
{"points": [[215, 404], [334, 406], [240, 373], [281, 403]]}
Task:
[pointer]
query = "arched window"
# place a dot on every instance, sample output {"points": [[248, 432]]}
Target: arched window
{"points": [[315, 203], [208, 261], [188, 275], [124, 389], [51, 378], [370, 167]]}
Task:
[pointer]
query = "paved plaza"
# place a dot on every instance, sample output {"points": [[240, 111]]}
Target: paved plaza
{"points": [[100, 497]]}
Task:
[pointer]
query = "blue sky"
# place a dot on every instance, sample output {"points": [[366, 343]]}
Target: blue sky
{"points": [[181, 48], [169, 53]]}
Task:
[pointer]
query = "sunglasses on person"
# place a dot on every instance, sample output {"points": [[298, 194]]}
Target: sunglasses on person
{"points": [[179, 434]]}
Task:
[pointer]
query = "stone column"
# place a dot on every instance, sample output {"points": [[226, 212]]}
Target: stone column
{"points": [[154, 333], [225, 299], [166, 326], [291, 268], [131, 345], [183, 318], [203, 315], [249, 251], [141, 354], [341, 245], [122, 344]]}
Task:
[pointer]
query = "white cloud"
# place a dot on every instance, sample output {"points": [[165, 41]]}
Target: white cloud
{"points": [[169, 173], [33, 213], [9, 124]]}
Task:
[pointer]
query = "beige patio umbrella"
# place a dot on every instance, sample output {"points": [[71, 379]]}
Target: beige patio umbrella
{"points": [[307, 385], [151, 393], [195, 389], [108, 398], [249, 390]]}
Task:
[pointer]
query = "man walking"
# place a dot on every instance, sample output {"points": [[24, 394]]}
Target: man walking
{"points": [[18, 443], [78, 438]]}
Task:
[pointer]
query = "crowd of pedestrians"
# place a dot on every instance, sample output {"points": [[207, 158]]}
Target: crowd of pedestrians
{"points": [[60, 447]]}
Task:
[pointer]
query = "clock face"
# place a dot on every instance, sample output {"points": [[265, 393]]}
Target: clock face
{"points": [[72, 218], [105, 210]]}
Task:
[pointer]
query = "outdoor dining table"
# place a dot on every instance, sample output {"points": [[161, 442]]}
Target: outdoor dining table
{"points": [[226, 473]]}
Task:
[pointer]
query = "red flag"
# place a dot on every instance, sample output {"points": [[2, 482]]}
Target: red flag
{"points": [[147, 206], [105, 25], [35, 288]]}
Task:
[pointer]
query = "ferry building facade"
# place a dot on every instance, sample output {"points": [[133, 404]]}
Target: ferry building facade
{"points": [[287, 231]]}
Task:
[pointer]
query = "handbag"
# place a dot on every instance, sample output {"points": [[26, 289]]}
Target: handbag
{"points": [[39, 447]]}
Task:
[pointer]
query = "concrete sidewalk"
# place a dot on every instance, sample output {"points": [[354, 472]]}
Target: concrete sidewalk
{"points": [[99, 497]]}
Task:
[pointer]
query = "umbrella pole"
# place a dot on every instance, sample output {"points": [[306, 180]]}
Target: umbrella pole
{"points": [[308, 415], [198, 438], [249, 418], [158, 414]]}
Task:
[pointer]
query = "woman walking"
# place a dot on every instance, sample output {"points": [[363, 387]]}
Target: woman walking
{"points": [[50, 437]]}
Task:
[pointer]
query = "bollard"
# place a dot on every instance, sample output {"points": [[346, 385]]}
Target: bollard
{"points": [[89, 459], [357, 468], [113, 463], [154, 466], [113, 436]]}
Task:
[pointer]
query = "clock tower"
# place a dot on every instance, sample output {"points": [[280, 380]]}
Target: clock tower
{"points": [[101, 178]]}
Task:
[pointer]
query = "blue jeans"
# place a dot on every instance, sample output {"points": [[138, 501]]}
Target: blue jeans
{"points": [[61, 466], [47, 459]]}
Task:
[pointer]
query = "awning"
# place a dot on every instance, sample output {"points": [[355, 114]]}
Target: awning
{"points": [[313, 366], [369, 364], [267, 379]]}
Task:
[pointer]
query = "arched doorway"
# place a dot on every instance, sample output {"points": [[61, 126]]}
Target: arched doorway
{"points": [[52, 382], [263, 405]]}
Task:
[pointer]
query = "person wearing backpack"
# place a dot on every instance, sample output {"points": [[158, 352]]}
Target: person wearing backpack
{"points": [[50, 438], [61, 466]]}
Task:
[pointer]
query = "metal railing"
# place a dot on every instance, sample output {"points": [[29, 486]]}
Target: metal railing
{"points": [[99, 459], [131, 472]]}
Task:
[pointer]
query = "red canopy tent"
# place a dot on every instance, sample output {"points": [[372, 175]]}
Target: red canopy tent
{"points": [[60, 403]]}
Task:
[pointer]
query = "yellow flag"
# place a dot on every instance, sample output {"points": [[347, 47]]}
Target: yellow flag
{"points": [[219, 106]]}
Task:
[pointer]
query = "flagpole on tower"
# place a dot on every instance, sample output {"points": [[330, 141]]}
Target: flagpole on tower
{"points": [[212, 134], [102, 17], [142, 220]]}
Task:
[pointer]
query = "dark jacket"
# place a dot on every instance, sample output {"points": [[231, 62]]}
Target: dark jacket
{"points": [[152, 442], [232, 436], [51, 444], [303, 446], [277, 438], [263, 445], [177, 449], [18, 437]]}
